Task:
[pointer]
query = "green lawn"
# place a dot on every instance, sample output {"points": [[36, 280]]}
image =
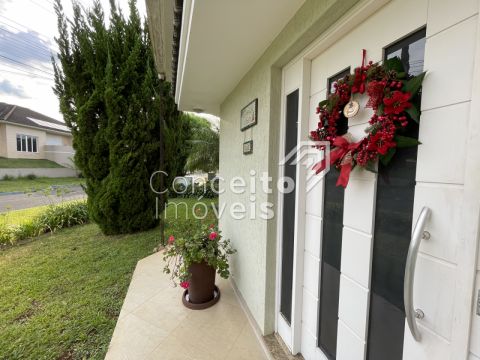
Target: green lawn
{"points": [[27, 163], [60, 294], [37, 184]]}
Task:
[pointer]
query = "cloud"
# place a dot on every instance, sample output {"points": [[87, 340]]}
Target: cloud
{"points": [[24, 46], [7, 88], [3, 4]]}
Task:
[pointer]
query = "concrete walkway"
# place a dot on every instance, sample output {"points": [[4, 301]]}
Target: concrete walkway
{"points": [[153, 323], [18, 201]]}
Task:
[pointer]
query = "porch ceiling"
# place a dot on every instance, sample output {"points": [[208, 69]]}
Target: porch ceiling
{"points": [[220, 41]]}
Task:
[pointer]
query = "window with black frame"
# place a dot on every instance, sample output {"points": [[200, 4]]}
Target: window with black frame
{"points": [[332, 80], [393, 225]]}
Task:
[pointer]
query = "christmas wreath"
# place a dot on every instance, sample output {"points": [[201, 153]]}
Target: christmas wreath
{"points": [[393, 96]]}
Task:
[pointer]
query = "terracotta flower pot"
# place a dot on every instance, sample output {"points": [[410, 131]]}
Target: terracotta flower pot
{"points": [[202, 292]]}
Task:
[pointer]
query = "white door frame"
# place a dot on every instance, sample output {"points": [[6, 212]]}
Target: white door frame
{"points": [[299, 79], [291, 335]]}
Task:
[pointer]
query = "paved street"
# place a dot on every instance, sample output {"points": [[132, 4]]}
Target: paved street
{"points": [[24, 201]]}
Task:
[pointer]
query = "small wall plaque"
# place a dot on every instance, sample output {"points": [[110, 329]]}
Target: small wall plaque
{"points": [[248, 115], [248, 147]]}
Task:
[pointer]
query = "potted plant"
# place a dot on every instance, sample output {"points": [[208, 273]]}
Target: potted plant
{"points": [[193, 262]]}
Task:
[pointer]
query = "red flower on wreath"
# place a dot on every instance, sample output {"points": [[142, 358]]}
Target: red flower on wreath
{"points": [[380, 142], [397, 103], [185, 284]]}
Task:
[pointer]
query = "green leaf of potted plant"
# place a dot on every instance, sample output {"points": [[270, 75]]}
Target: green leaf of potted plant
{"points": [[193, 263]]}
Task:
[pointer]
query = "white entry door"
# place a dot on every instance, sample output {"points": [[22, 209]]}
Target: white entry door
{"points": [[355, 241]]}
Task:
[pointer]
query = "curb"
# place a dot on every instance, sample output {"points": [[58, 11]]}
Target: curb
{"points": [[30, 192], [11, 193]]}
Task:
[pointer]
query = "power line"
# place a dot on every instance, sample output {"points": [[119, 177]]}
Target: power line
{"points": [[42, 7], [20, 68], [23, 55], [27, 42], [25, 73], [30, 66], [23, 26]]}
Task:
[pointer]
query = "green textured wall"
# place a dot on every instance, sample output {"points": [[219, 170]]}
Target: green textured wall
{"points": [[254, 266]]}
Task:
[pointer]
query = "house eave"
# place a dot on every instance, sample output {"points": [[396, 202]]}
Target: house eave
{"points": [[160, 22], [220, 41]]}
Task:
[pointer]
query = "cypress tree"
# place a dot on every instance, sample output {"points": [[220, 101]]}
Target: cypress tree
{"points": [[116, 106]]}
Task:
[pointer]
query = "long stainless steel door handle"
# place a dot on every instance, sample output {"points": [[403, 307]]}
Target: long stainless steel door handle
{"points": [[418, 234]]}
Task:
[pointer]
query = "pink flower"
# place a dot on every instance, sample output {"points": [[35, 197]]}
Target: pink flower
{"points": [[171, 239], [213, 235], [185, 284]]}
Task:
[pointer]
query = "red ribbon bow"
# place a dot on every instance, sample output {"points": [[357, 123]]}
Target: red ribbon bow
{"points": [[342, 151], [360, 76]]}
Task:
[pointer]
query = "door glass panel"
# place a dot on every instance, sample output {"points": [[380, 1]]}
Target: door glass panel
{"points": [[330, 264], [331, 246], [393, 227], [290, 171], [329, 286], [410, 50]]}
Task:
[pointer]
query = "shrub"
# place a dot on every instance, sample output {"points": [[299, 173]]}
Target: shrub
{"points": [[61, 216], [30, 177], [5, 235], [10, 234], [207, 191], [7, 177], [54, 218]]}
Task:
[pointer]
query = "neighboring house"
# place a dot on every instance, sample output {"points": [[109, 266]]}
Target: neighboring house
{"points": [[26, 134], [326, 273]]}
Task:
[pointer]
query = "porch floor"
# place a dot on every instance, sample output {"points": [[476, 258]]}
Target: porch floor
{"points": [[154, 324]]}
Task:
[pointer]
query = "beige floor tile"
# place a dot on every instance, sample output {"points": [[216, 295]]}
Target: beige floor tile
{"points": [[151, 268], [226, 290], [167, 317], [195, 343], [246, 347], [135, 338], [115, 352], [155, 325]]}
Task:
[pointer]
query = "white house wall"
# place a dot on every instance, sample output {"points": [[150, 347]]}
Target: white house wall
{"points": [[54, 147], [11, 142], [3, 141]]}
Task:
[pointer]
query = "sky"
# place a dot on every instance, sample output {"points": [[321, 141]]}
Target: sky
{"points": [[27, 31]]}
